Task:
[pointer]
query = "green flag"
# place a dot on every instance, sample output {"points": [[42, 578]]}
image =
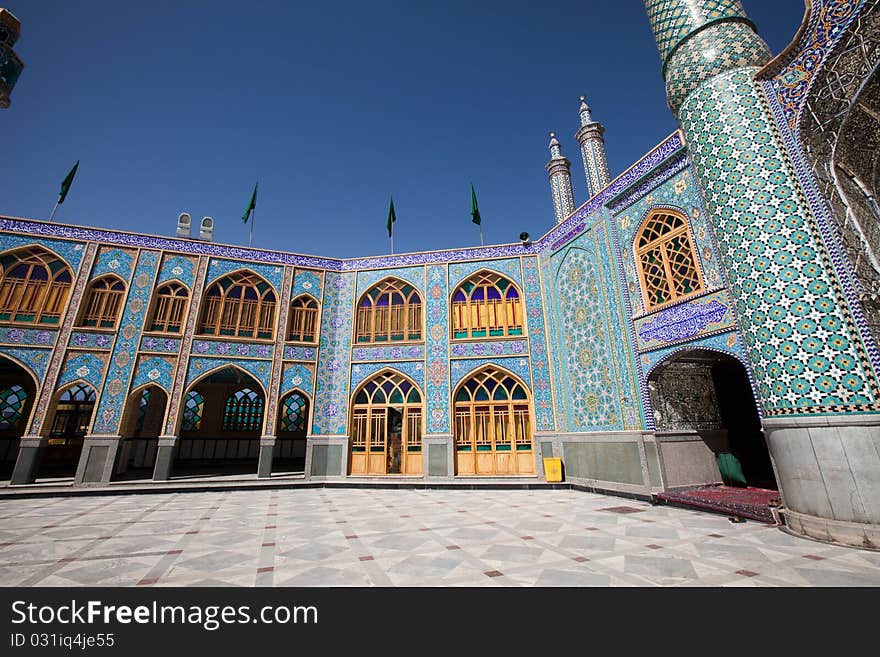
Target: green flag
{"points": [[65, 184], [391, 217], [475, 211], [251, 205]]}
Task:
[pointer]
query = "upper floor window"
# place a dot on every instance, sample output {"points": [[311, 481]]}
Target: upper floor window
{"points": [[303, 319], [103, 302], [34, 285], [666, 260], [240, 305], [170, 308], [389, 312], [486, 305]]}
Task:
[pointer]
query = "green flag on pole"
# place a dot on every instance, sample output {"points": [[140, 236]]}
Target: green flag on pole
{"points": [[251, 205], [391, 217], [65, 184], [475, 211]]}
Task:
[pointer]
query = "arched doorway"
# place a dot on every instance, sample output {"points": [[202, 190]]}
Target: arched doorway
{"points": [[493, 426], [386, 427], [17, 393], [707, 394], [70, 418], [289, 454], [221, 425], [140, 429]]}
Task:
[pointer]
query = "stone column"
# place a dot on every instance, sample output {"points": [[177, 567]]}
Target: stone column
{"points": [[815, 380], [167, 448]]}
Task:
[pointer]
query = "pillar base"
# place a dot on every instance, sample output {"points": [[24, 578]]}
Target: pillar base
{"points": [[438, 452], [828, 471], [267, 448], [326, 457], [96, 460], [165, 453], [30, 453]]}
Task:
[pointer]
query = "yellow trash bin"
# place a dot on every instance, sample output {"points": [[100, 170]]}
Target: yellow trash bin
{"points": [[553, 469]]}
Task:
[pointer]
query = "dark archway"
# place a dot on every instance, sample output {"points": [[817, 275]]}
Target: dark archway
{"points": [[17, 393], [222, 421], [69, 420], [141, 426], [707, 394], [289, 454]]}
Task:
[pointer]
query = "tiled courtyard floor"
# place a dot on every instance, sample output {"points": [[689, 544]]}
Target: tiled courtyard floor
{"points": [[342, 537]]}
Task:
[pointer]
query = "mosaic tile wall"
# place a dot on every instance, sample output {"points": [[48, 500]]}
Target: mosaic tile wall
{"points": [[307, 282], [707, 314], [330, 415], [36, 360], [111, 401], [538, 341], [496, 348], [299, 377], [415, 370], [437, 347], [673, 20], [462, 369], [161, 345], [155, 370], [223, 348], [70, 252], [389, 353], [85, 339], [799, 335], [26, 336], [300, 353], [114, 261], [458, 272], [550, 299], [218, 268], [85, 367], [177, 268], [415, 276]]}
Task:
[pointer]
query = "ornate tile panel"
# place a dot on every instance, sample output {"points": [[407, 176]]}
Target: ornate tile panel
{"points": [[415, 276], [307, 282], [538, 342], [85, 366], [799, 334], [112, 399], [299, 377], [458, 272], [478, 349], [331, 397], [292, 352], [36, 360], [70, 252], [559, 397], [160, 345], [114, 261], [415, 370], [87, 340], [157, 370], [177, 268], [462, 368], [685, 321], [235, 349], [389, 353], [26, 336], [218, 268], [437, 347]]}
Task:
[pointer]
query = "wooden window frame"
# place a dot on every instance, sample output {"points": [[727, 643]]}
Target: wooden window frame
{"points": [[300, 318], [493, 318], [230, 317], [44, 301], [643, 245], [376, 326], [103, 306], [169, 309]]}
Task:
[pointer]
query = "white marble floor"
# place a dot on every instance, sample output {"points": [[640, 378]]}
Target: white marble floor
{"points": [[349, 537]]}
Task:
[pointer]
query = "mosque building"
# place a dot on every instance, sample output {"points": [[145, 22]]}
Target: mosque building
{"points": [[718, 297]]}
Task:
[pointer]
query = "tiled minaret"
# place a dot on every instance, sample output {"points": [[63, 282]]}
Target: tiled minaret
{"points": [[559, 170], [590, 137], [810, 351]]}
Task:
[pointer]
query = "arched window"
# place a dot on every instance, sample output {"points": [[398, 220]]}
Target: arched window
{"points": [[103, 302], [241, 305], [34, 285], [12, 400], [493, 429], [294, 413], [486, 306], [192, 411], [666, 260], [170, 308], [303, 319], [386, 427], [244, 411], [389, 312], [73, 413]]}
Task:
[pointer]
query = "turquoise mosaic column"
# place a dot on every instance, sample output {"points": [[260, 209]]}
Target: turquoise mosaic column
{"points": [[816, 383], [559, 171]]}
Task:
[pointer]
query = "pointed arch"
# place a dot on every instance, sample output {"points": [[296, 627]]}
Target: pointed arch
{"points": [[239, 304], [665, 257], [486, 305], [294, 412], [35, 284], [302, 325], [222, 366], [34, 378], [493, 424], [386, 427], [103, 302], [170, 302], [74, 406], [390, 311]]}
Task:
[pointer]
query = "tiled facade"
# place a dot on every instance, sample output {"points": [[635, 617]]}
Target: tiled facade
{"points": [[770, 294]]}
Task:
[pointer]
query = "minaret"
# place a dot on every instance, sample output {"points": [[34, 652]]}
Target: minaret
{"points": [[593, 151], [808, 346], [559, 170]]}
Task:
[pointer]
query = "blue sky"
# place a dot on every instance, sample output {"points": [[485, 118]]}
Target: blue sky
{"points": [[182, 105]]}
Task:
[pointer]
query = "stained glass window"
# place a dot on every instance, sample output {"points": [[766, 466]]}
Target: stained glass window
{"points": [[389, 312], [12, 401], [192, 411], [486, 305], [294, 413], [34, 285], [244, 411], [143, 404], [666, 260]]}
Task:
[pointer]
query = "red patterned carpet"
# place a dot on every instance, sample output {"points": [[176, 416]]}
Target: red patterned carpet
{"points": [[752, 503]]}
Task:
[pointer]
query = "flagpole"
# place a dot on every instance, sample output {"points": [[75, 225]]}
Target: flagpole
{"points": [[52, 216], [481, 234], [253, 219], [392, 241]]}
